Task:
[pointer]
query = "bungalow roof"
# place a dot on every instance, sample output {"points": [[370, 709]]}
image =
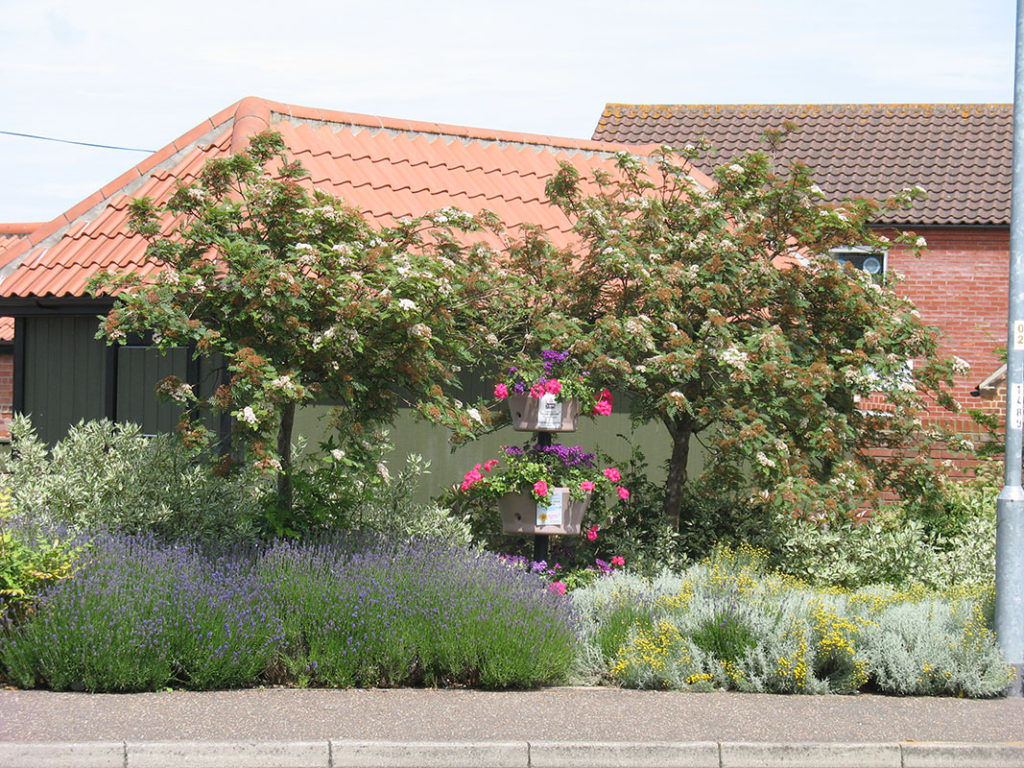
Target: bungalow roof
{"points": [[386, 168]]}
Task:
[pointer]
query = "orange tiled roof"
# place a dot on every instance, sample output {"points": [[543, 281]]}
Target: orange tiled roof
{"points": [[960, 153], [386, 168]]}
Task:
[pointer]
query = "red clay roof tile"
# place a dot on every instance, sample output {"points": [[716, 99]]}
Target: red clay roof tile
{"points": [[387, 168], [961, 154]]}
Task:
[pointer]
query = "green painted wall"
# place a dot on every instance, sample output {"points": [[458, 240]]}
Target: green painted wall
{"points": [[65, 373], [138, 371], [410, 435], [65, 369]]}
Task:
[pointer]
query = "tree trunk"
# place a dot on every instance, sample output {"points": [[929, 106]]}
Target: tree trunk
{"points": [[681, 433], [284, 451]]}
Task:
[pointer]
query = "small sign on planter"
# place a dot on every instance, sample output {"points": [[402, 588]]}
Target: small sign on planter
{"points": [[562, 515], [543, 414]]}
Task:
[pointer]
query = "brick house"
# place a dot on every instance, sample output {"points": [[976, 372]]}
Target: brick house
{"points": [[961, 154]]}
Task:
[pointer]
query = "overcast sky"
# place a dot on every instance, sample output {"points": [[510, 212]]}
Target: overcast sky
{"points": [[139, 74]]}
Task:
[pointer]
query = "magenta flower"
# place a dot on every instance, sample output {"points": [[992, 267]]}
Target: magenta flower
{"points": [[586, 486], [623, 493], [490, 464], [537, 391], [558, 587], [618, 561], [603, 406], [500, 391], [553, 386], [592, 533], [612, 474], [471, 478], [540, 488]]}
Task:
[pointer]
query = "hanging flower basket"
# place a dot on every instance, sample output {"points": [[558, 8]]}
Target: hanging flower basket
{"points": [[559, 515], [549, 393], [543, 414]]}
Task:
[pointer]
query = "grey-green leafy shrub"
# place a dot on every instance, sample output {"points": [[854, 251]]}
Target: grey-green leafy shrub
{"points": [[106, 475], [930, 644], [785, 636]]}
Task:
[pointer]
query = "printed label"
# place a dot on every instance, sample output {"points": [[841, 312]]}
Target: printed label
{"points": [[549, 413], [1016, 405], [1018, 334], [551, 513]]}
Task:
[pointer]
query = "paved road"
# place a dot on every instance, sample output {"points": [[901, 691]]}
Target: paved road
{"points": [[635, 720]]}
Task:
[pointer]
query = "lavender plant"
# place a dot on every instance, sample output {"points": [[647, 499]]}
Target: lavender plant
{"points": [[141, 616], [338, 611], [417, 612]]}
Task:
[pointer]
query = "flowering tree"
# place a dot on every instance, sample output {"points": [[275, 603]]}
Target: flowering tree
{"points": [[723, 315], [305, 301]]}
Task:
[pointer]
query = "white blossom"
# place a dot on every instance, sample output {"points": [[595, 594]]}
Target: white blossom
{"points": [[474, 414], [421, 331], [248, 415], [960, 366], [763, 460], [337, 454], [734, 357], [408, 305]]}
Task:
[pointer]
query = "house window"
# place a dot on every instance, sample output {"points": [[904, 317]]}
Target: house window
{"points": [[872, 262]]}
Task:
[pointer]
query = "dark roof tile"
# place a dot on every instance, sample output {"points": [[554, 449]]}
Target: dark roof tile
{"points": [[961, 154]]}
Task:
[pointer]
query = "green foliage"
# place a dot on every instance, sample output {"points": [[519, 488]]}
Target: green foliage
{"points": [[305, 301], [30, 559], [722, 315], [105, 475], [729, 622], [726, 635]]}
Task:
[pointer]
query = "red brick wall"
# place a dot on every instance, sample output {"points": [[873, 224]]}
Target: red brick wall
{"points": [[6, 394], [960, 284]]}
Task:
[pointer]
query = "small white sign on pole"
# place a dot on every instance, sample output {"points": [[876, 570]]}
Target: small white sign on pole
{"points": [[550, 513], [549, 413]]}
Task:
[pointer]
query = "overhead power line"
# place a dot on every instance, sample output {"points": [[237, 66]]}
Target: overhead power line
{"points": [[79, 143]]}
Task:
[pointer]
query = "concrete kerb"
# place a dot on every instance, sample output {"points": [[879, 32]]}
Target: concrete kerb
{"points": [[516, 754]]}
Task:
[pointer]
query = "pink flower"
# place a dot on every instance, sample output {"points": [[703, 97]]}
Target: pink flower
{"points": [[540, 488], [592, 533], [537, 391], [558, 587], [553, 386], [603, 406], [623, 493], [618, 561], [612, 474], [586, 486], [490, 464], [471, 478], [500, 391]]}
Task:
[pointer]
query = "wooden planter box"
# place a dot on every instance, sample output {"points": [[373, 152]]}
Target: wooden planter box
{"points": [[544, 414], [521, 513]]}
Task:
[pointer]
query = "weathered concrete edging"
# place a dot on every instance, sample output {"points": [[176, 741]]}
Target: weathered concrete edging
{"points": [[511, 754]]}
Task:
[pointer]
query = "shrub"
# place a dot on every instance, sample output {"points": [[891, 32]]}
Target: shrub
{"points": [[105, 475], [929, 644], [397, 614], [30, 559], [728, 622], [340, 611], [139, 616]]}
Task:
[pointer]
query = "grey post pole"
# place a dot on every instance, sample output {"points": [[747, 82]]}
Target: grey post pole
{"points": [[1010, 507]]}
